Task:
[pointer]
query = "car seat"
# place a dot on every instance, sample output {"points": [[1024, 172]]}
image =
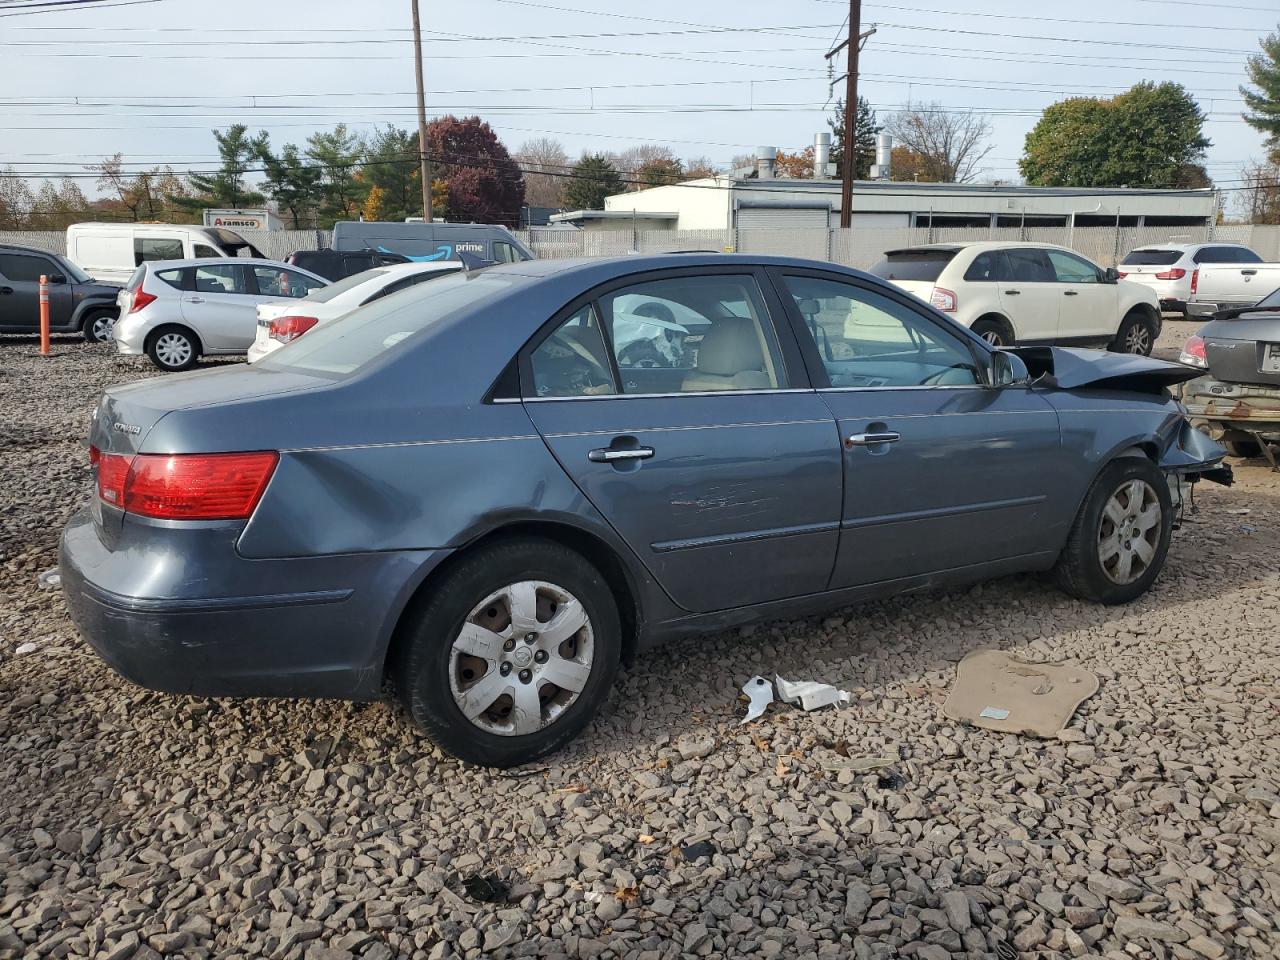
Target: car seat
{"points": [[729, 358]]}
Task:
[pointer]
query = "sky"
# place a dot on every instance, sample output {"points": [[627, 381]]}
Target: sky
{"points": [[149, 78]]}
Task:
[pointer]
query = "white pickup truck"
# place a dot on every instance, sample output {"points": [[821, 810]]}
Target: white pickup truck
{"points": [[1218, 286]]}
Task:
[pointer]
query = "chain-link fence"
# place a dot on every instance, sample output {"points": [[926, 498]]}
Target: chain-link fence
{"points": [[856, 247]]}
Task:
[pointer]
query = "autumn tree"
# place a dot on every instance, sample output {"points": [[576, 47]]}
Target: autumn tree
{"points": [[951, 144], [699, 168], [544, 164], [865, 128], [144, 195], [1149, 136], [16, 200], [593, 178], [795, 166], [57, 207], [483, 183], [1263, 98], [1260, 197], [905, 165], [659, 171]]}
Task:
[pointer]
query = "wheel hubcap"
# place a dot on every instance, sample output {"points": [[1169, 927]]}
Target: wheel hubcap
{"points": [[101, 328], [1138, 340], [173, 349], [1129, 532], [993, 337], [513, 688]]}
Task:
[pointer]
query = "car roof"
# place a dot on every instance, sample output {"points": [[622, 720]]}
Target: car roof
{"points": [[18, 248], [244, 261], [980, 245]]}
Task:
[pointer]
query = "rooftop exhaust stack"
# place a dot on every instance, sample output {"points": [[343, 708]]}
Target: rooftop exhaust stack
{"points": [[821, 156], [765, 159], [884, 157]]}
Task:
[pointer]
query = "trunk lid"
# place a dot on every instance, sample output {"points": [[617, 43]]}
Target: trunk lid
{"points": [[1071, 369], [1244, 349]]}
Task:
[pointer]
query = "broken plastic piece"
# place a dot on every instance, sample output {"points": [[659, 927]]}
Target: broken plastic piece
{"points": [[760, 692], [52, 579], [891, 781], [696, 851], [26, 648], [809, 694]]}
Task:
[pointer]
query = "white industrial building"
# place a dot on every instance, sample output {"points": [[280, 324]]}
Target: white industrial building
{"points": [[756, 199]]}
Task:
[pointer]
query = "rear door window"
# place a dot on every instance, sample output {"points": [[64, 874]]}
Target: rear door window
{"points": [[573, 360], [24, 268], [920, 265], [989, 267], [279, 282], [1151, 258], [220, 278], [1030, 265], [146, 249]]}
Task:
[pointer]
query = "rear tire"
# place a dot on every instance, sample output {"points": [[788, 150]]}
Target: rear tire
{"points": [[468, 648], [97, 325], [1247, 448], [173, 348], [1118, 543], [1137, 335], [994, 330]]}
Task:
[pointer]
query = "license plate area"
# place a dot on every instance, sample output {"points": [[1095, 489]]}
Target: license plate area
{"points": [[1270, 358]]}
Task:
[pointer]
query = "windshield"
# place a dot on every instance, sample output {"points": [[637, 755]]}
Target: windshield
{"points": [[73, 272], [1151, 258], [325, 294], [924, 265], [353, 340]]}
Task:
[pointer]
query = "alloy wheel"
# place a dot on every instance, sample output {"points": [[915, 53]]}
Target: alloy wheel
{"points": [[173, 349], [1129, 532], [521, 658], [993, 337], [101, 328], [1138, 339]]}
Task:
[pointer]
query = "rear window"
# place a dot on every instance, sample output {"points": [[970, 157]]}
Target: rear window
{"points": [[325, 294], [172, 277], [925, 265], [349, 343], [1151, 258]]}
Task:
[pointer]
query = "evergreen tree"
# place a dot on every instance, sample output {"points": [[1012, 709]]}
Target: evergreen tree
{"points": [[1264, 102], [865, 129], [592, 179]]}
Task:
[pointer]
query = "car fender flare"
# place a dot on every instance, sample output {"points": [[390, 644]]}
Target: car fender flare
{"points": [[1147, 447], [87, 305]]}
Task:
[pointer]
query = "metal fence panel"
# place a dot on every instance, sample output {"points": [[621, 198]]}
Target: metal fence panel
{"points": [[48, 240]]}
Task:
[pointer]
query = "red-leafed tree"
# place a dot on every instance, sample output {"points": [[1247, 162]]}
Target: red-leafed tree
{"points": [[484, 184]]}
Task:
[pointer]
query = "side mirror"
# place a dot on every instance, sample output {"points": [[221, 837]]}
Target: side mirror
{"points": [[57, 278], [1111, 275], [1008, 370]]}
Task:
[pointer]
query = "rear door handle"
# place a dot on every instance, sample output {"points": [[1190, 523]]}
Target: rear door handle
{"points": [[866, 439], [6, 290], [612, 455], [1071, 293], [1013, 293], [1248, 273]]}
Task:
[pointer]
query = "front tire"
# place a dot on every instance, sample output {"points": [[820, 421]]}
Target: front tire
{"points": [[993, 330], [97, 326], [1245, 447], [512, 654], [173, 349], [1118, 543], [1137, 335]]}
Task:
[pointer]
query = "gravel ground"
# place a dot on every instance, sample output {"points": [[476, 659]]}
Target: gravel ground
{"points": [[135, 824]]}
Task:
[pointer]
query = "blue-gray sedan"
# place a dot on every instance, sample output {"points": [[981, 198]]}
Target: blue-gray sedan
{"points": [[489, 491]]}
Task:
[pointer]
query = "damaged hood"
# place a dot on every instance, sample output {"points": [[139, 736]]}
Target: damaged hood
{"points": [[1069, 369]]}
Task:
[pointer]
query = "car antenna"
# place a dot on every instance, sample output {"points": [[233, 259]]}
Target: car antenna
{"points": [[471, 262]]}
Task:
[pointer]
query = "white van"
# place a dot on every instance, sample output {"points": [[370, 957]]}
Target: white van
{"points": [[112, 251]]}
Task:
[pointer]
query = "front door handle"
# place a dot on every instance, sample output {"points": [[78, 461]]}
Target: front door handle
{"points": [[1248, 273], [195, 299], [6, 290], [613, 454], [866, 439], [1013, 293], [1071, 293]]}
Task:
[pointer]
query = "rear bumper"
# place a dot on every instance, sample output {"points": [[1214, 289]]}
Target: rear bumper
{"points": [[174, 608], [1202, 311], [1220, 406], [1173, 305]]}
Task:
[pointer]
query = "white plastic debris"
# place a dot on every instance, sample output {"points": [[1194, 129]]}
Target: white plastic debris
{"points": [[760, 692], [809, 694], [26, 648], [994, 713], [49, 580]]}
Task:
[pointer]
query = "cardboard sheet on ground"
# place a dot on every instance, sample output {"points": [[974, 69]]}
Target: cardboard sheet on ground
{"points": [[997, 691]]}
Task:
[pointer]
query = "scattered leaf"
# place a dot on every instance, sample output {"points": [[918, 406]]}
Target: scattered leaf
{"points": [[645, 838], [573, 788], [626, 894], [761, 743], [781, 769]]}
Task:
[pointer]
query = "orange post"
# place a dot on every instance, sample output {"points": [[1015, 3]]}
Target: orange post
{"points": [[44, 315]]}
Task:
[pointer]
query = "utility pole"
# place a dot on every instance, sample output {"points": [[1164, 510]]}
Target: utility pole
{"points": [[853, 44], [423, 159]]}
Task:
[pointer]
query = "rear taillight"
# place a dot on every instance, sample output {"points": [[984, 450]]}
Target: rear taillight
{"points": [[1195, 279], [1177, 273], [1121, 275], [186, 486], [140, 299], [943, 299], [1193, 352], [285, 329]]}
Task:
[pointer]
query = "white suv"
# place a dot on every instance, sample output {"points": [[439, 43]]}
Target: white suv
{"points": [[1028, 293], [175, 311], [1172, 269]]}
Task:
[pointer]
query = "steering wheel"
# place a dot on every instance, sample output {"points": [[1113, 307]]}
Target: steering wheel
{"points": [[932, 379]]}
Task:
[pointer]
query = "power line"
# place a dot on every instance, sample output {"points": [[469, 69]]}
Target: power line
{"points": [[30, 11], [1143, 44], [1147, 24]]}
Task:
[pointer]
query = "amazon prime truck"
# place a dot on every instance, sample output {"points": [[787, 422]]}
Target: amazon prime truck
{"points": [[430, 241]]}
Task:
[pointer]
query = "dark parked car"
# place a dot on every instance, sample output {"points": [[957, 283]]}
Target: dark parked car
{"points": [[461, 489], [338, 264], [77, 302], [1238, 398]]}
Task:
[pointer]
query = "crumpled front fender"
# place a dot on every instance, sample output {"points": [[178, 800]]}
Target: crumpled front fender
{"points": [[1194, 456]]}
